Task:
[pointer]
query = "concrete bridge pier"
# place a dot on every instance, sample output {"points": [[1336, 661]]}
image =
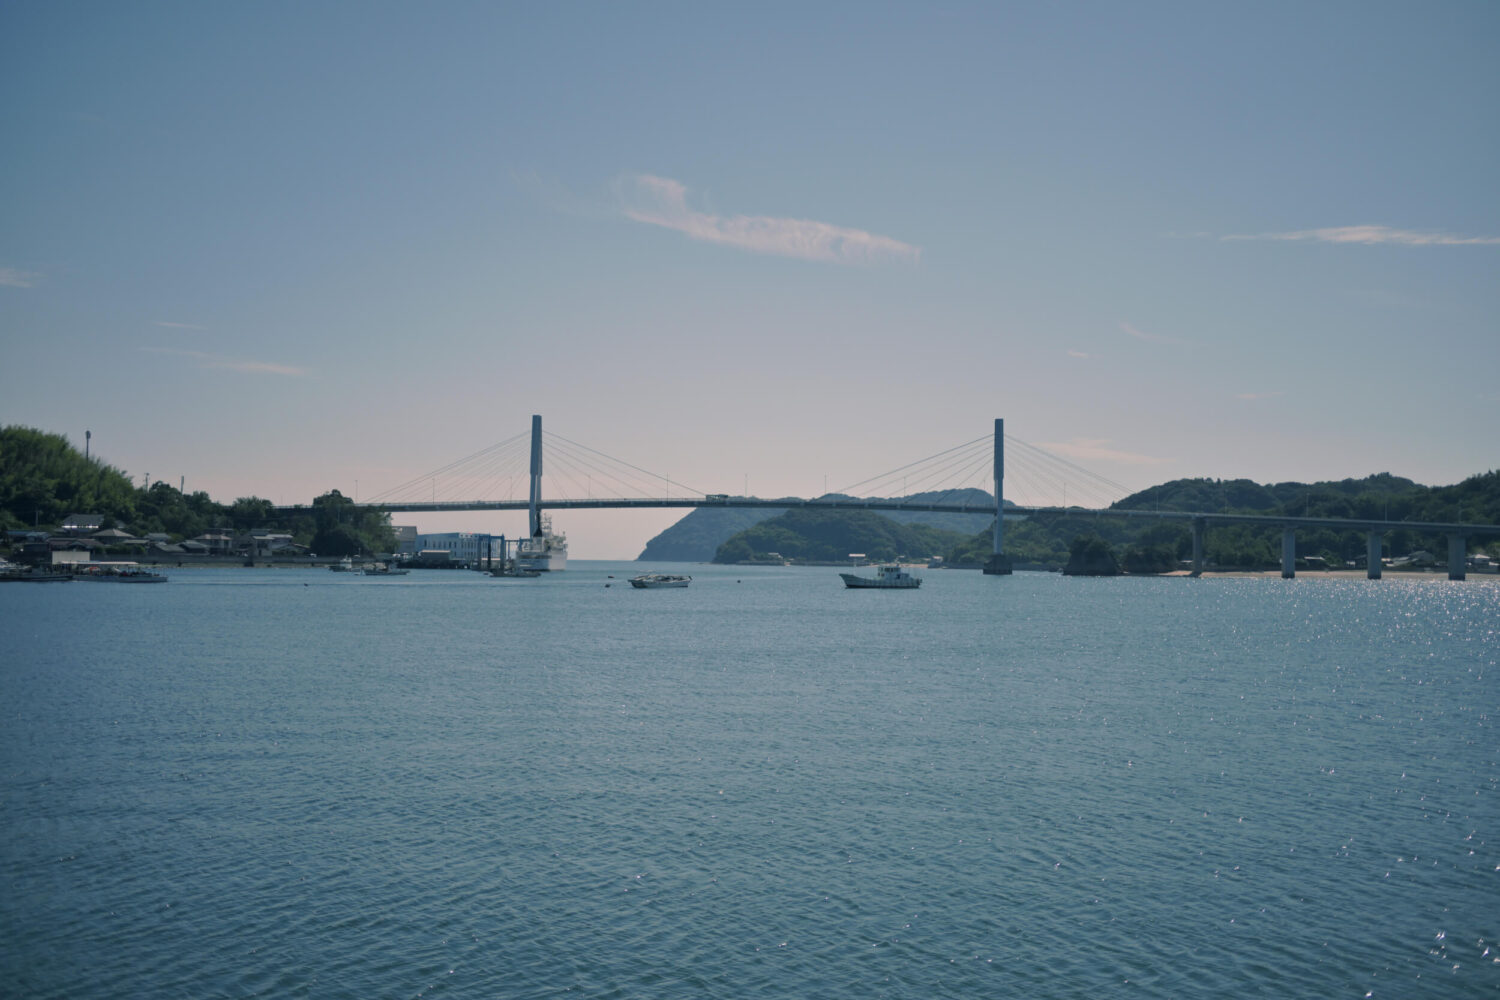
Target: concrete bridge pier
{"points": [[1372, 556], [999, 563], [1288, 553], [1458, 556], [1198, 525]]}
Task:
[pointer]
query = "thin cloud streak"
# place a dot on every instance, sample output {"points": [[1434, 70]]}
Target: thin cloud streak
{"points": [[178, 326], [206, 360], [1151, 338], [1078, 354], [1095, 450], [11, 277], [661, 201], [1372, 236]]}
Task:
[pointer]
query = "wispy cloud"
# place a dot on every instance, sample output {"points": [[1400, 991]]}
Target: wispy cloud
{"points": [[1078, 354], [1257, 395], [179, 326], [1097, 450], [661, 201], [1372, 235], [11, 277], [1151, 338], [206, 360]]}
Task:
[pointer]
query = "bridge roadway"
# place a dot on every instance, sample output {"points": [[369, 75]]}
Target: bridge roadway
{"points": [[1012, 512]]}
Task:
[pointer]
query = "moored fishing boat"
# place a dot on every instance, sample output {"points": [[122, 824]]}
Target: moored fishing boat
{"points": [[119, 572], [651, 581], [12, 573], [888, 577]]}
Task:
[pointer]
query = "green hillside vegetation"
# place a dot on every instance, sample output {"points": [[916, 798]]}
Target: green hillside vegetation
{"points": [[811, 535], [698, 535], [43, 479], [1146, 546]]}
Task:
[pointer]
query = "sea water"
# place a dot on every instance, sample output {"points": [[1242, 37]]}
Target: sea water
{"points": [[296, 783]]}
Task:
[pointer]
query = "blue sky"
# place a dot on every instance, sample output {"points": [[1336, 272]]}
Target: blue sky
{"points": [[279, 248]]}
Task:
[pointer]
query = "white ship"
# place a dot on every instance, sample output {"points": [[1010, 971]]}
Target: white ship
{"points": [[543, 552]]}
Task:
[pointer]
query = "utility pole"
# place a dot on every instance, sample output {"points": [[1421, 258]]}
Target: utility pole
{"points": [[86, 436]]}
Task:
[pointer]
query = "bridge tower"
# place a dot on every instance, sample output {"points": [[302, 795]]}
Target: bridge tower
{"points": [[999, 562], [536, 473]]}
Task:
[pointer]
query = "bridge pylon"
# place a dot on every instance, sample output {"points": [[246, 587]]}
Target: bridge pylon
{"points": [[536, 474], [999, 563]]}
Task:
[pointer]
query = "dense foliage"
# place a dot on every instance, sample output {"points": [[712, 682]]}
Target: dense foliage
{"points": [[1090, 555], [698, 535], [1150, 546], [813, 535], [43, 479]]}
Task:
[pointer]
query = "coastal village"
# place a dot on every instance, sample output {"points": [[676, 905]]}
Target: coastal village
{"points": [[81, 544], [82, 539]]}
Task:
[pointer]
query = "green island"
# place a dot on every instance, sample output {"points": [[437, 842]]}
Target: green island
{"points": [[1092, 543]]}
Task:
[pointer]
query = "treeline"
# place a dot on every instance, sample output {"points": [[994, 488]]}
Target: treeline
{"points": [[810, 535], [1141, 546], [698, 535], [43, 479]]}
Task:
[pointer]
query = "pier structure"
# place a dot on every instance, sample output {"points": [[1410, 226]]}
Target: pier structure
{"points": [[1458, 551]]}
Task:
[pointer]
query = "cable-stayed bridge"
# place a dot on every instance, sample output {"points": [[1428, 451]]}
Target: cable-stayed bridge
{"points": [[966, 479]]}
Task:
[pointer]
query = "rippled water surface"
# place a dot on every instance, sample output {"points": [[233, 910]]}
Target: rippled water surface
{"points": [[299, 783]]}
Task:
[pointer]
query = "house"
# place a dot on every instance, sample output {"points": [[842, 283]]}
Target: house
{"points": [[215, 543], [81, 524], [114, 536], [265, 542]]}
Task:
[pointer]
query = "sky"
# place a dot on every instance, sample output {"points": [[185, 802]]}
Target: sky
{"points": [[274, 249]]}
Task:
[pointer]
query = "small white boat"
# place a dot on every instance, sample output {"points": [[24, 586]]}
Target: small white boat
{"points": [[386, 569], [890, 577], [651, 581], [344, 565]]}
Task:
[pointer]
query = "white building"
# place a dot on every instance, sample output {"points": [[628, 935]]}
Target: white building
{"points": [[461, 546]]}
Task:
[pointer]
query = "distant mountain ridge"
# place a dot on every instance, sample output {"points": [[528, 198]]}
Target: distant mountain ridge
{"points": [[698, 535]]}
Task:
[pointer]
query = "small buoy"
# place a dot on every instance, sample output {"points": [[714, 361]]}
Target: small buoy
{"points": [[606, 586]]}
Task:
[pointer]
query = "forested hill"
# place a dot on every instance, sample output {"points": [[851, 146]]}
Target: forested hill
{"points": [[819, 535], [1381, 497], [1044, 539], [698, 535], [43, 479]]}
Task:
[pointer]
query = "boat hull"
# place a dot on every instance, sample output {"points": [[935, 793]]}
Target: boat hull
{"points": [[886, 578], [655, 581]]}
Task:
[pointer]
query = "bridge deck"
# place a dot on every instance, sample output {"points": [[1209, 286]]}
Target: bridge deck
{"points": [[1013, 512]]}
